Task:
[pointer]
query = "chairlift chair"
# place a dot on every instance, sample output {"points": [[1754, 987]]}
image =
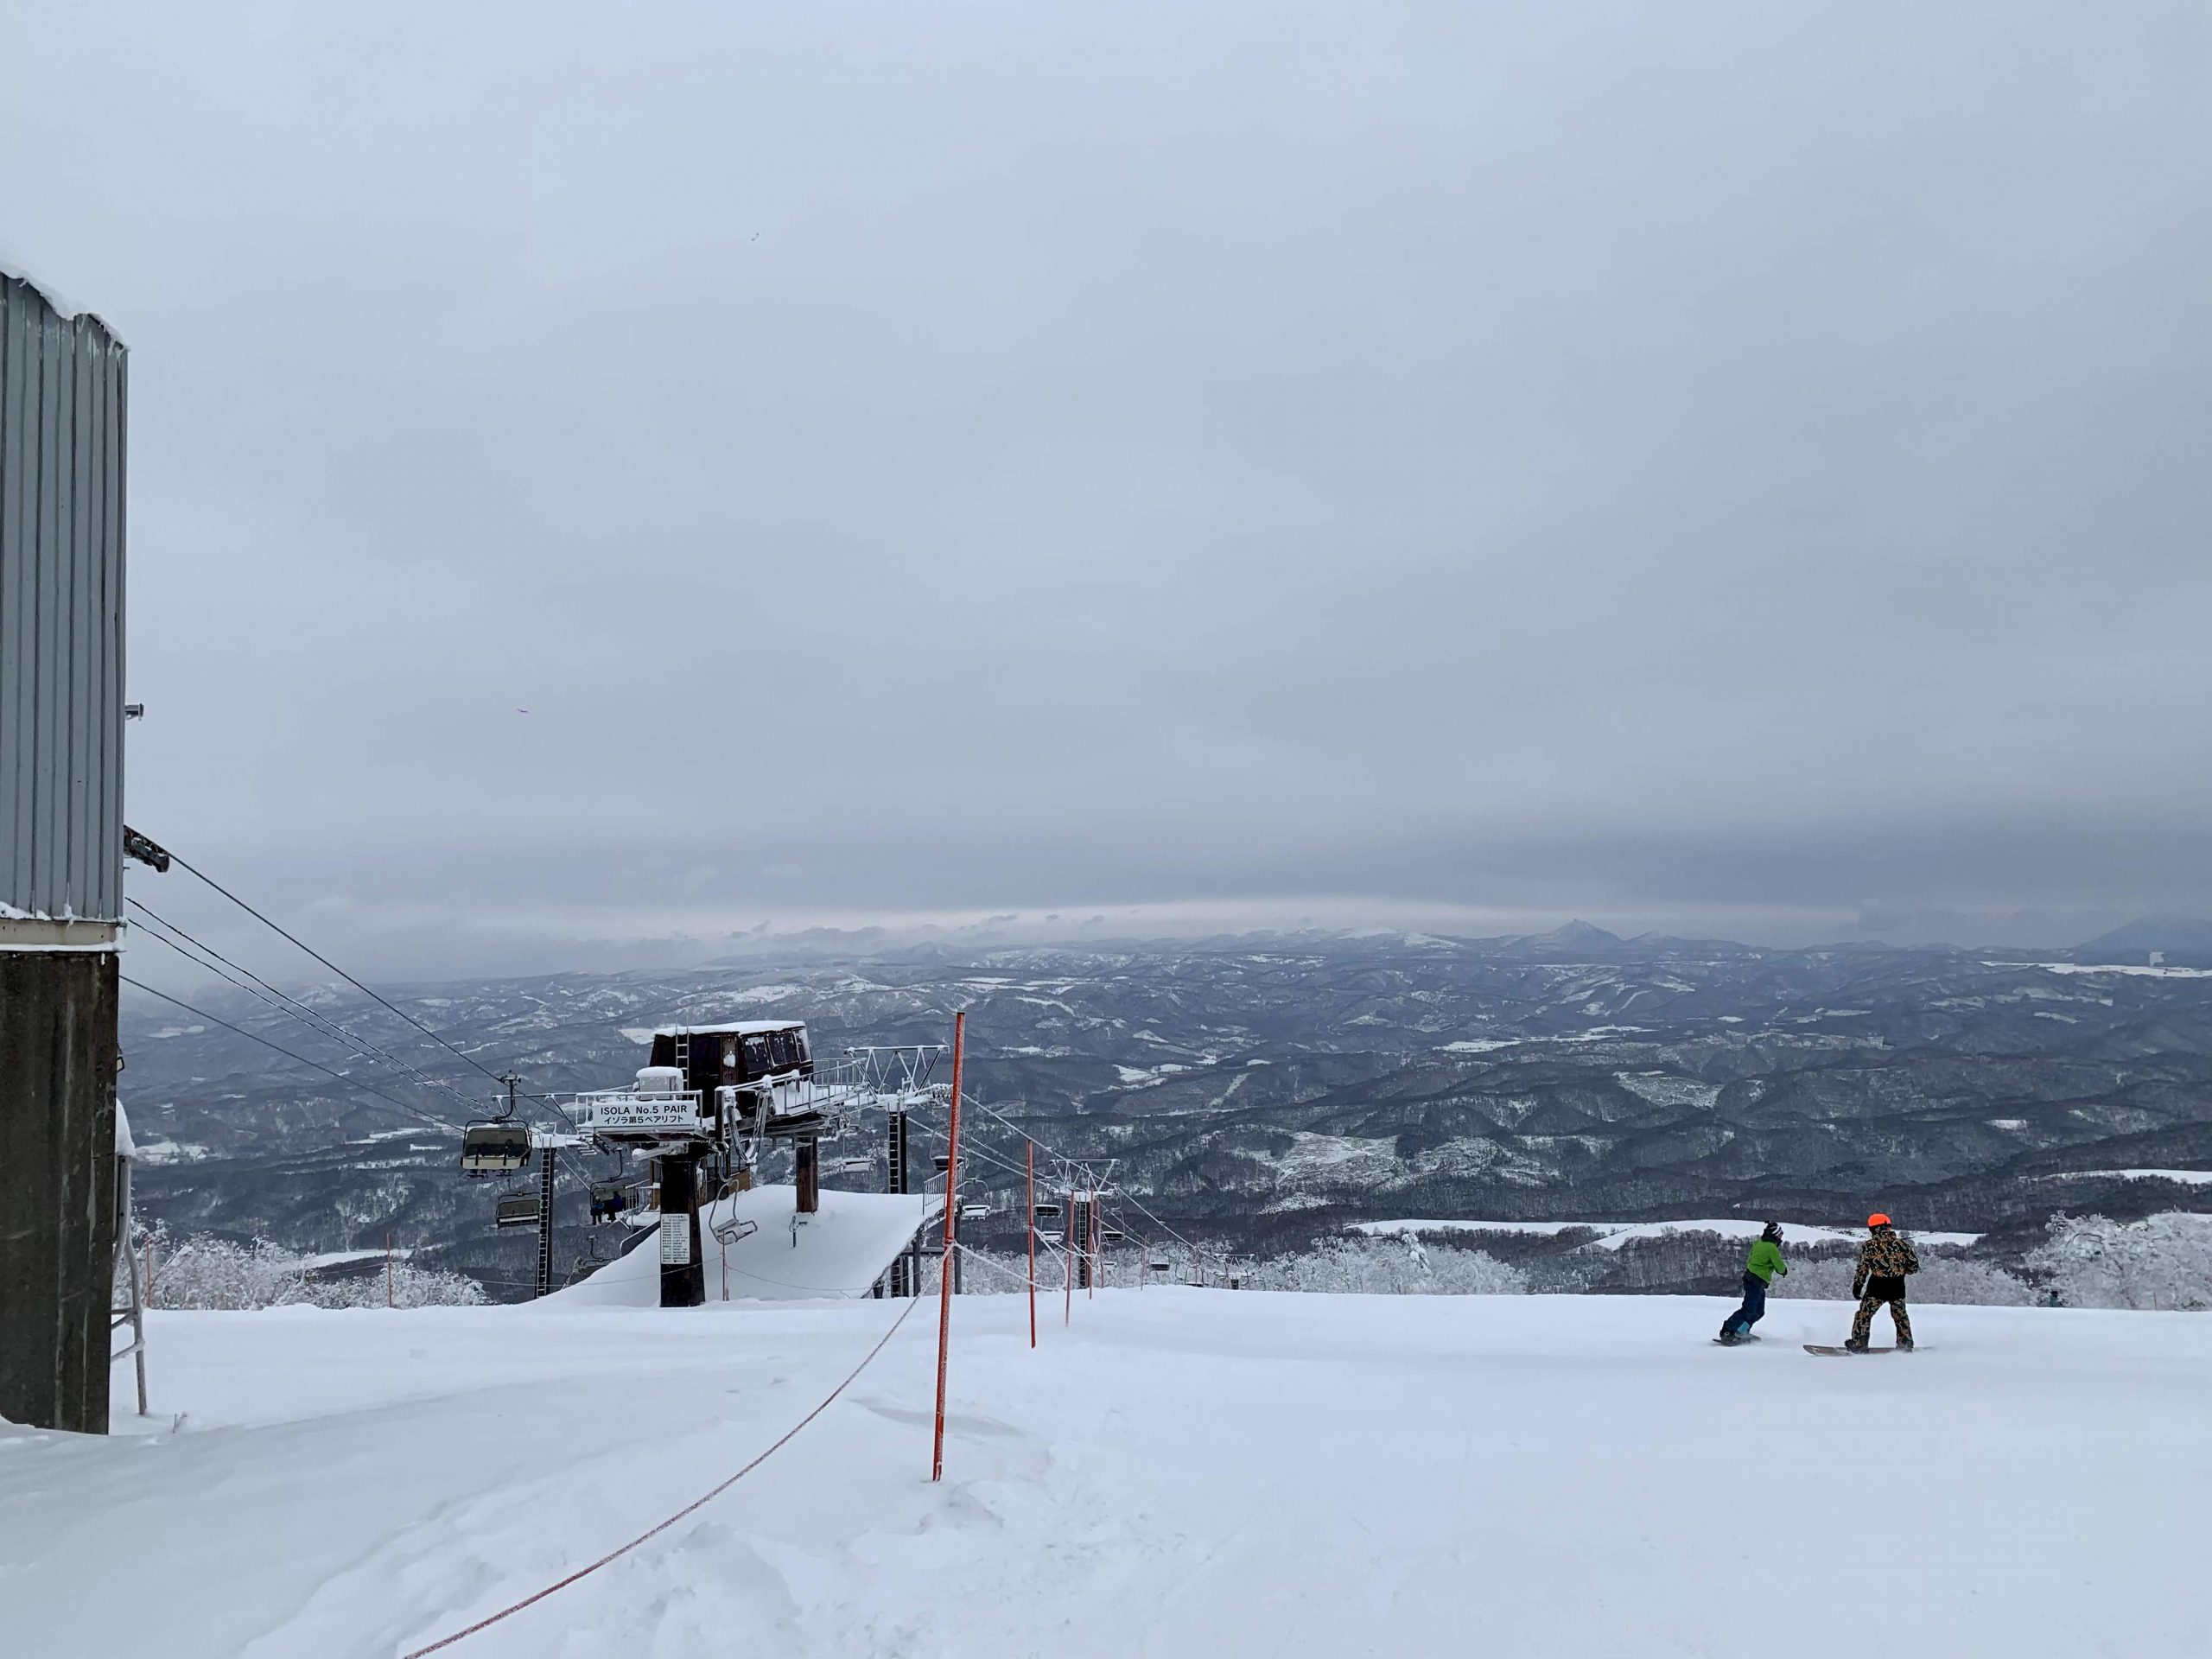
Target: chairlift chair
{"points": [[516, 1212], [1114, 1235], [1046, 1211], [610, 1199], [497, 1148], [974, 1213]]}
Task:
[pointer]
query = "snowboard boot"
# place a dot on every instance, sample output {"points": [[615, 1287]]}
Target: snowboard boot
{"points": [[1904, 1347], [1852, 1346]]}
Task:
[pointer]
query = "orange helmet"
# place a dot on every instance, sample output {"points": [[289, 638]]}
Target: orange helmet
{"points": [[1877, 1219]]}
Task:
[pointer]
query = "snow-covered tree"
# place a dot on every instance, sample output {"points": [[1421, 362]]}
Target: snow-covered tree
{"points": [[222, 1275], [1378, 1267], [1945, 1279], [411, 1287], [2162, 1262]]}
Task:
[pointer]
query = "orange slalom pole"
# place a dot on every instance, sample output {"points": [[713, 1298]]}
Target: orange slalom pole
{"points": [[387, 1269], [1067, 1314], [1091, 1250], [1029, 1180], [944, 1262]]}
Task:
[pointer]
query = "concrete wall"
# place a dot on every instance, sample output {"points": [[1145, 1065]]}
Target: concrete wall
{"points": [[57, 1185]]}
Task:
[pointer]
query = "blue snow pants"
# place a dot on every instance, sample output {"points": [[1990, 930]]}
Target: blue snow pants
{"points": [[1754, 1307]]}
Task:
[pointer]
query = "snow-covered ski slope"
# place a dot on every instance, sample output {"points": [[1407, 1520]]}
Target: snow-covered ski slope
{"points": [[1183, 1473]]}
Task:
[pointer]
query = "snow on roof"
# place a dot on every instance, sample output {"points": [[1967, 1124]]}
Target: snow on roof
{"points": [[838, 1252], [125, 1146], [63, 306], [342, 1258], [2186, 1177], [741, 1028]]}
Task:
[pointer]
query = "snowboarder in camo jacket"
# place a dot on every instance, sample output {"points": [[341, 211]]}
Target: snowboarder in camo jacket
{"points": [[1883, 1260], [1764, 1262]]}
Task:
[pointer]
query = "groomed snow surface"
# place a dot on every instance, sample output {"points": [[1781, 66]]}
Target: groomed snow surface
{"points": [[1182, 1472]]}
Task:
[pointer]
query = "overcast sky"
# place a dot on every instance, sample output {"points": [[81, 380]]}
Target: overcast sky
{"points": [[1730, 468]]}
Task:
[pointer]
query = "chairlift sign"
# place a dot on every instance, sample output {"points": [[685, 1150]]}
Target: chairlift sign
{"points": [[644, 1113], [676, 1240]]}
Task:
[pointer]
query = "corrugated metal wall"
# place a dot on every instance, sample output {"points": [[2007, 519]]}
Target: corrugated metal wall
{"points": [[62, 508]]}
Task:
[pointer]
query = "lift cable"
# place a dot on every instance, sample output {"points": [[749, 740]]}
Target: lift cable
{"points": [[182, 862], [1123, 1194], [972, 1254], [1068, 1164], [197, 963], [187, 864], [201, 1014], [315, 1021], [1070, 1169], [982, 1153]]}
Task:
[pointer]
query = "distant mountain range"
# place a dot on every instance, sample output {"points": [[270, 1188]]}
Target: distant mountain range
{"points": [[1265, 1091], [2181, 939]]}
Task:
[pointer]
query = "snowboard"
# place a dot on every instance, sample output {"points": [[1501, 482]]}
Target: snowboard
{"points": [[1738, 1343], [1822, 1348]]}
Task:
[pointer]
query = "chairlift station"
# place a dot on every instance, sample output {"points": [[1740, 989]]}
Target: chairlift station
{"points": [[710, 1102]]}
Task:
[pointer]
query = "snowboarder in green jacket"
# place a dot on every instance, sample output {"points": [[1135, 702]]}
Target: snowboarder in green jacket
{"points": [[1759, 1269]]}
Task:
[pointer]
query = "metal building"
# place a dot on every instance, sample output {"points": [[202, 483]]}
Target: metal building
{"points": [[62, 619], [62, 507]]}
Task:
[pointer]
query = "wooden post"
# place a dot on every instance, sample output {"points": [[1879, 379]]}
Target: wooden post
{"points": [[952, 1215], [1067, 1313], [806, 1164], [1029, 1180]]}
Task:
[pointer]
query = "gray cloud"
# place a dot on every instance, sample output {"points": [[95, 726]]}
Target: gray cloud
{"points": [[1706, 465]]}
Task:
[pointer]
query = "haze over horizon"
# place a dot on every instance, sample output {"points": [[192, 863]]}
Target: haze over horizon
{"points": [[603, 485]]}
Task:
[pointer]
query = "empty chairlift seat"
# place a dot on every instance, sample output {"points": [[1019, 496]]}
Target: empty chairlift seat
{"points": [[516, 1212], [494, 1149]]}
